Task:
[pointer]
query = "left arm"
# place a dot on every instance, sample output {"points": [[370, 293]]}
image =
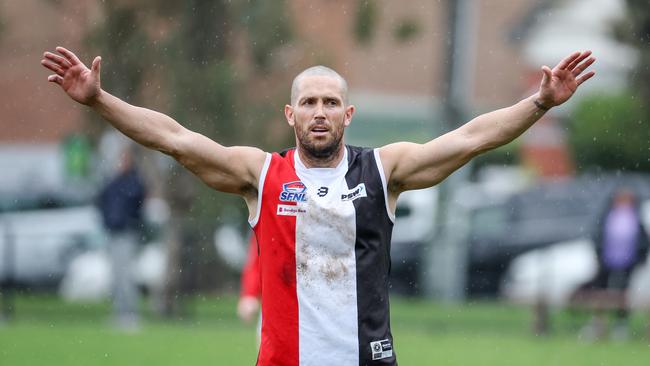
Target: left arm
{"points": [[413, 166]]}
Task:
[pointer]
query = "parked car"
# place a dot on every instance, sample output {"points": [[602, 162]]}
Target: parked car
{"points": [[415, 217], [537, 218], [36, 245], [554, 273]]}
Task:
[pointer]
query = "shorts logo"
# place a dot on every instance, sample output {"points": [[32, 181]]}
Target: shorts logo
{"points": [[381, 349], [293, 192], [356, 192]]}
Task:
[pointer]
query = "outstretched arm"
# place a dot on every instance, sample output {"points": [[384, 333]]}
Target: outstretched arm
{"points": [[413, 166], [228, 169]]}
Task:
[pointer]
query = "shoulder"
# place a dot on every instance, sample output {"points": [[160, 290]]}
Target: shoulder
{"points": [[281, 162], [390, 154], [286, 152], [285, 156], [358, 154], [364, 161]]}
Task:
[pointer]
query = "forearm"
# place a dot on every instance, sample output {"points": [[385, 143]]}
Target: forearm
{"points": [[414, 166], [146, 127], [497, 128]]}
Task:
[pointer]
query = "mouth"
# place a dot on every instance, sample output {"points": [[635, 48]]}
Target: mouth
{"points": [[319, 130]]}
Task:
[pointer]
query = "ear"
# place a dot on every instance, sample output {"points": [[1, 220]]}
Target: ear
{"points": [[288, 114], [349, 111]]}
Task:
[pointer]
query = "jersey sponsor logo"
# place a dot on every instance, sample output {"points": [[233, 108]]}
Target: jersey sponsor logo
{"points": [[356, 192], [289, 210], [381, 349], [322, 191], [293, 192]]}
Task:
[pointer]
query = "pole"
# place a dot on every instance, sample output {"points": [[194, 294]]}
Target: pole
{"points": [[448, 258]]}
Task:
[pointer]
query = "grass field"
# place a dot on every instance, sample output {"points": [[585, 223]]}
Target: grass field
{"points": [[46, 331]]}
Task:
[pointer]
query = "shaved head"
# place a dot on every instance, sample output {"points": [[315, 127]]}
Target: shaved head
{"points": [[318, 71]]}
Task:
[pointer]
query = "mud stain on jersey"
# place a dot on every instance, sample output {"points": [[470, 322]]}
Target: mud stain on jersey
{"points": [[326, 253], [287, 275], [334, 271]]}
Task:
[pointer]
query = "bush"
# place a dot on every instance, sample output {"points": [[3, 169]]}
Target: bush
{"points": [[611, 132]]}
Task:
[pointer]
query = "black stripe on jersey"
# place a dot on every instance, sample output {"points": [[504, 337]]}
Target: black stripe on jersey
{"points": [[372, 252]]}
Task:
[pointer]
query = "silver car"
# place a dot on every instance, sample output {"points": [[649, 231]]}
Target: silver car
{"points": [[36, 246]]}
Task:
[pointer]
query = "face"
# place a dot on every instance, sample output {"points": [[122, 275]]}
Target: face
{"points": [[624, 198], [319, 116]]}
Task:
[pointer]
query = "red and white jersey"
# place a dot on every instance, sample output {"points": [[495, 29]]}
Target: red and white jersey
{"points": [[324, 242]]}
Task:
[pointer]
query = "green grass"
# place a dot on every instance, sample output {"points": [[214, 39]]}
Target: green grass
{"points": [[46, 331]]}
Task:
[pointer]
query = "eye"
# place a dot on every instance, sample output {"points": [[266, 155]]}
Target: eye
{"points": [[332, 102], [308, 101]]}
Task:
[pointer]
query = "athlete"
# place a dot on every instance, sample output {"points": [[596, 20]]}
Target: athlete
{"points": [[323, 211]]}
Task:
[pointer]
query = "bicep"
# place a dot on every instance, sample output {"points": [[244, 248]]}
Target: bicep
{"points": [[415, 166], [228, 169]]}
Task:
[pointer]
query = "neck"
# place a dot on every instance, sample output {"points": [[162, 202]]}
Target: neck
{"points": [[330, 161]]}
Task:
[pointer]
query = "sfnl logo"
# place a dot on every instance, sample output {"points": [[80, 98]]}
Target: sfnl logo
{"points": [[293, 192]]}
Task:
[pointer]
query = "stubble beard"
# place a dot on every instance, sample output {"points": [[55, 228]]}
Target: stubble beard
{"points": [[318, 151]]}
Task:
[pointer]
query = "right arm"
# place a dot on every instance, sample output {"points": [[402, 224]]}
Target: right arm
{"points": [[227, 169]]}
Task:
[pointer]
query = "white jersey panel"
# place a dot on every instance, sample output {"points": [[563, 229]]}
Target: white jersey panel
{"points": [[326, 269]]}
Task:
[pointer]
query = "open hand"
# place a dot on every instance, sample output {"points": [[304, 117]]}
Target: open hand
{"points": [[559, 84], [78, 81], [247, 308]]}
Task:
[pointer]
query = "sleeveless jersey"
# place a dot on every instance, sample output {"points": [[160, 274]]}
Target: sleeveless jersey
{"points": [[324, 246]]}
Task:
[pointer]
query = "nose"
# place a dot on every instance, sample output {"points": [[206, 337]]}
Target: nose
{"points": [[320, 110]]}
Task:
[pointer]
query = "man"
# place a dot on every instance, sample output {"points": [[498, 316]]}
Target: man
{"points": [[322, 212], [621, 246], [120, 204]]}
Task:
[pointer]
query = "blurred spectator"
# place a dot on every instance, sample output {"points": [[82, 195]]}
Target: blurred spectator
{"points": [[621, 245], [251, 287], [120, 204]]}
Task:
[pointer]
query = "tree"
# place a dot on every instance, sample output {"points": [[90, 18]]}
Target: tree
{"points": [[635, 30], [611, 132], [178, 51]]}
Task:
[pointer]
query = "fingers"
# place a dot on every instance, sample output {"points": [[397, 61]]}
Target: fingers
{"points": [[57, 59], [580, 68], [578, 60], [55, 79], [96, 65], [568, 60], [547, 75], [585, 77], [71, 57], [53, 66]]}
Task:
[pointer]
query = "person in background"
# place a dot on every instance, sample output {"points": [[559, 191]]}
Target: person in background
{"points": [[621, 244], [120, 204], [248, 306]]}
